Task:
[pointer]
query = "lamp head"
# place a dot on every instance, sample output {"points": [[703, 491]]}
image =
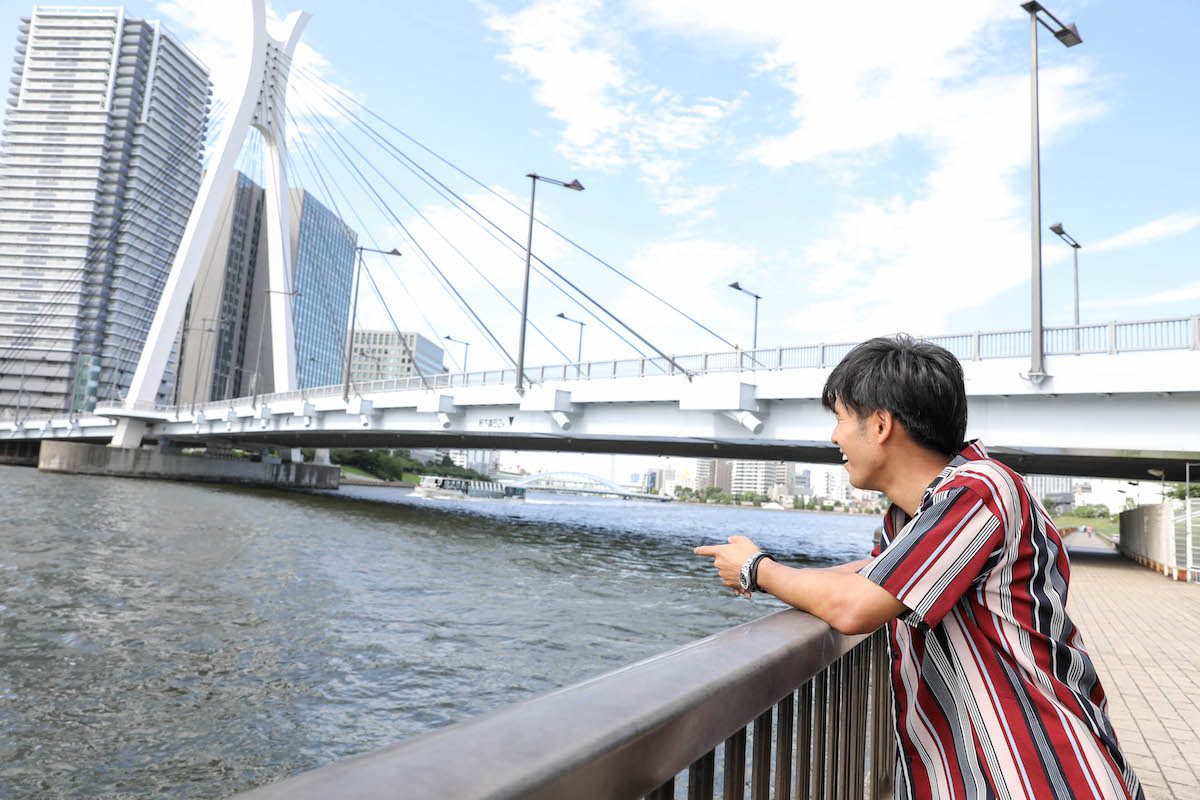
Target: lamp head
{"points": [[1057, 228], [393, 252], [1158, 473], [561, 315], [1068, 35], [735, 285], [575, 184]]}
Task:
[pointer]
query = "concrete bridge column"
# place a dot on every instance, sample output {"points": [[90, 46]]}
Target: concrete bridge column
{"points": [[322, 456]]}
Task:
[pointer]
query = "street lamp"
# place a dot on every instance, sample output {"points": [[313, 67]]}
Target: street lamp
{"points": [[354, 313], [533, 179], [1066, 237], [1069, 36], [756, 297], [466, 347], [580, 323]]}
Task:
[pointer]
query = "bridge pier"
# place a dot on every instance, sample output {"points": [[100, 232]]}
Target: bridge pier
{"points": [[93, 459]]}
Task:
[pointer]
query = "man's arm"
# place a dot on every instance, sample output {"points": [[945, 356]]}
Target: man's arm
{"points": [[839, 595], [850, 566], [847, 601]]}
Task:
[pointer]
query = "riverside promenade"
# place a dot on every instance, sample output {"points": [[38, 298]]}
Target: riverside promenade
{"points": [[1143, 633]]}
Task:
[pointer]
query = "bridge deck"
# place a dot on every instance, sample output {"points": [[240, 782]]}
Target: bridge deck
{"points": [[1143, 632]]}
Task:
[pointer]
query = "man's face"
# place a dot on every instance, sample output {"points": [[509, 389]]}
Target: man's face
{"points": [[860, 455]]}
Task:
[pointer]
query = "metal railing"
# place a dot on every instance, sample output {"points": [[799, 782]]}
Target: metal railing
{"points": [[1182, 333], [784, 706]]}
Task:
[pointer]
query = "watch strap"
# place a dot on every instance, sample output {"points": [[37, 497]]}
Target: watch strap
{"points": [[758, 557]]}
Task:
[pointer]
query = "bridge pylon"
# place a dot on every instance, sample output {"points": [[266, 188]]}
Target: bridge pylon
{"points": [[262, 105]]}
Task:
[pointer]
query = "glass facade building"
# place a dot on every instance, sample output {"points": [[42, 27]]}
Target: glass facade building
{"points": [[324, 249]]}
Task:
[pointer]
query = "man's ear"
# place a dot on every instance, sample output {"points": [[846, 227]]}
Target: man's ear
{"points": [[882, 425]]}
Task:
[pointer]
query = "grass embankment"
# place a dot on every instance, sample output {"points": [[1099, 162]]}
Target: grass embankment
{"points": [[356, 472], [1102, 525]]}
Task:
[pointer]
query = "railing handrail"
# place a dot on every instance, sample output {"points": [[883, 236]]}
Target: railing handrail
{"points": [[741, 360], [621, 734]]}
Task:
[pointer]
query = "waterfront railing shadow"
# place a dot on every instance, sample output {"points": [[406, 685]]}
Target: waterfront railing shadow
{"points": [[783, 706]]}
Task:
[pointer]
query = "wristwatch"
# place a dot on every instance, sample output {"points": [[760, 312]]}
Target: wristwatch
{"points": [[748, 577]]}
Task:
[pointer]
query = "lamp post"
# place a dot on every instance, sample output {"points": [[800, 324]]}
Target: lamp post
{"points": [[1066, 237], [1069, 36], [354, 313], [466, 348], [579, 355], [756, 297], [533, 179]]}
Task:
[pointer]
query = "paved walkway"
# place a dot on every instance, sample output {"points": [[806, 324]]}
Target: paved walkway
{"points": [[1143, 633]]}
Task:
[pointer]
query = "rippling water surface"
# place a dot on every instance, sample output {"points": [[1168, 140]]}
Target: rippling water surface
{"points": [[181, 640]]}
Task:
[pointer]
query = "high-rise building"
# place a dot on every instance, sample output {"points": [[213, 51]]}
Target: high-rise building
{"points": [[218, 322], [226, 334], [712, 472], [382, 355], [323, 246], [761, 477], [99, 169]]}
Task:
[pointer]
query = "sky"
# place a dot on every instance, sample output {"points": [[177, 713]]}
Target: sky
{"points": [[864, 167]]}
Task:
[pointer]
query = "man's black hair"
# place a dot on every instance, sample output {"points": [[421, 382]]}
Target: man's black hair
{"points": [[919, 383]]}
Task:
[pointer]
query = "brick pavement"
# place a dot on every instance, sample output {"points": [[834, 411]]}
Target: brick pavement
{"points": [[1143, 633]]}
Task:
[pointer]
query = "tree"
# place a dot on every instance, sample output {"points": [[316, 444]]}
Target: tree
{"points": [[1178, 491]]}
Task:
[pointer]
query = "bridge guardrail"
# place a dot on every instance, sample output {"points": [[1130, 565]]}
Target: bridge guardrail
{"points": [[1180, 333], [786, 685]]}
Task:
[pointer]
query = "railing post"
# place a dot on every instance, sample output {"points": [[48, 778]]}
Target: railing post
{"points": [[642, 368], [760, 762], [821, 355], [975, 339], [1112, 338], [704, 363], [1196, 332], [614, 369], [735, 766], [778, 358]]}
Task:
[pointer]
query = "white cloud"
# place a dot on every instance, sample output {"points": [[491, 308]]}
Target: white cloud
{"points": [[891, 84], [1164, 228], [611, 117]]}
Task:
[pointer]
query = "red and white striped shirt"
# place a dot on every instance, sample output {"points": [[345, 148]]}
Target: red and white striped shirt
{"points": [[994, 693]]}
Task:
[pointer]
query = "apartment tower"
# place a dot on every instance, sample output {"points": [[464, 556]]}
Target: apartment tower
{"points": [[99, 167]]}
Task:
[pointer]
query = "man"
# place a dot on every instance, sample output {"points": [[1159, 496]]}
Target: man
{"points": [[995, 695]]}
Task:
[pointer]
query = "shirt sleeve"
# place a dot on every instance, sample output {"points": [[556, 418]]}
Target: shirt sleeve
{"points": [[933, 561]]}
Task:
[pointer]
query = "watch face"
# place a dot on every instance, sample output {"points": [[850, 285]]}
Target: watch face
{"points": [[744, 576]]}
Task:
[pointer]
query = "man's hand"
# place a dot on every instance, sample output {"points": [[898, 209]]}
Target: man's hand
{"points": [[728, 559]]}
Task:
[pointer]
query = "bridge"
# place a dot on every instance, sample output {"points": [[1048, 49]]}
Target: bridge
{"points": [[580, 483], [1120, 399]]}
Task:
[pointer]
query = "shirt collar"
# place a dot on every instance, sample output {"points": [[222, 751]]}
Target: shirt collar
{"points": [[971, 451]]}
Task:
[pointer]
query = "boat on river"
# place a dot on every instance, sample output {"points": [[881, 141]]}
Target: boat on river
{"points": [[437, 487]]}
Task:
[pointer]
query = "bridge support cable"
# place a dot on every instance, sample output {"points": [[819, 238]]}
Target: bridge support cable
{"points": [[584, 294], [62, 298], [314, 167], [314, 77], [403, 340], [451, 245], [458, 202], [361, 181], [386, 209]]}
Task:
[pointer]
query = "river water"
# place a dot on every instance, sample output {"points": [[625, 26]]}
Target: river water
{"points": [[181, 640]]}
